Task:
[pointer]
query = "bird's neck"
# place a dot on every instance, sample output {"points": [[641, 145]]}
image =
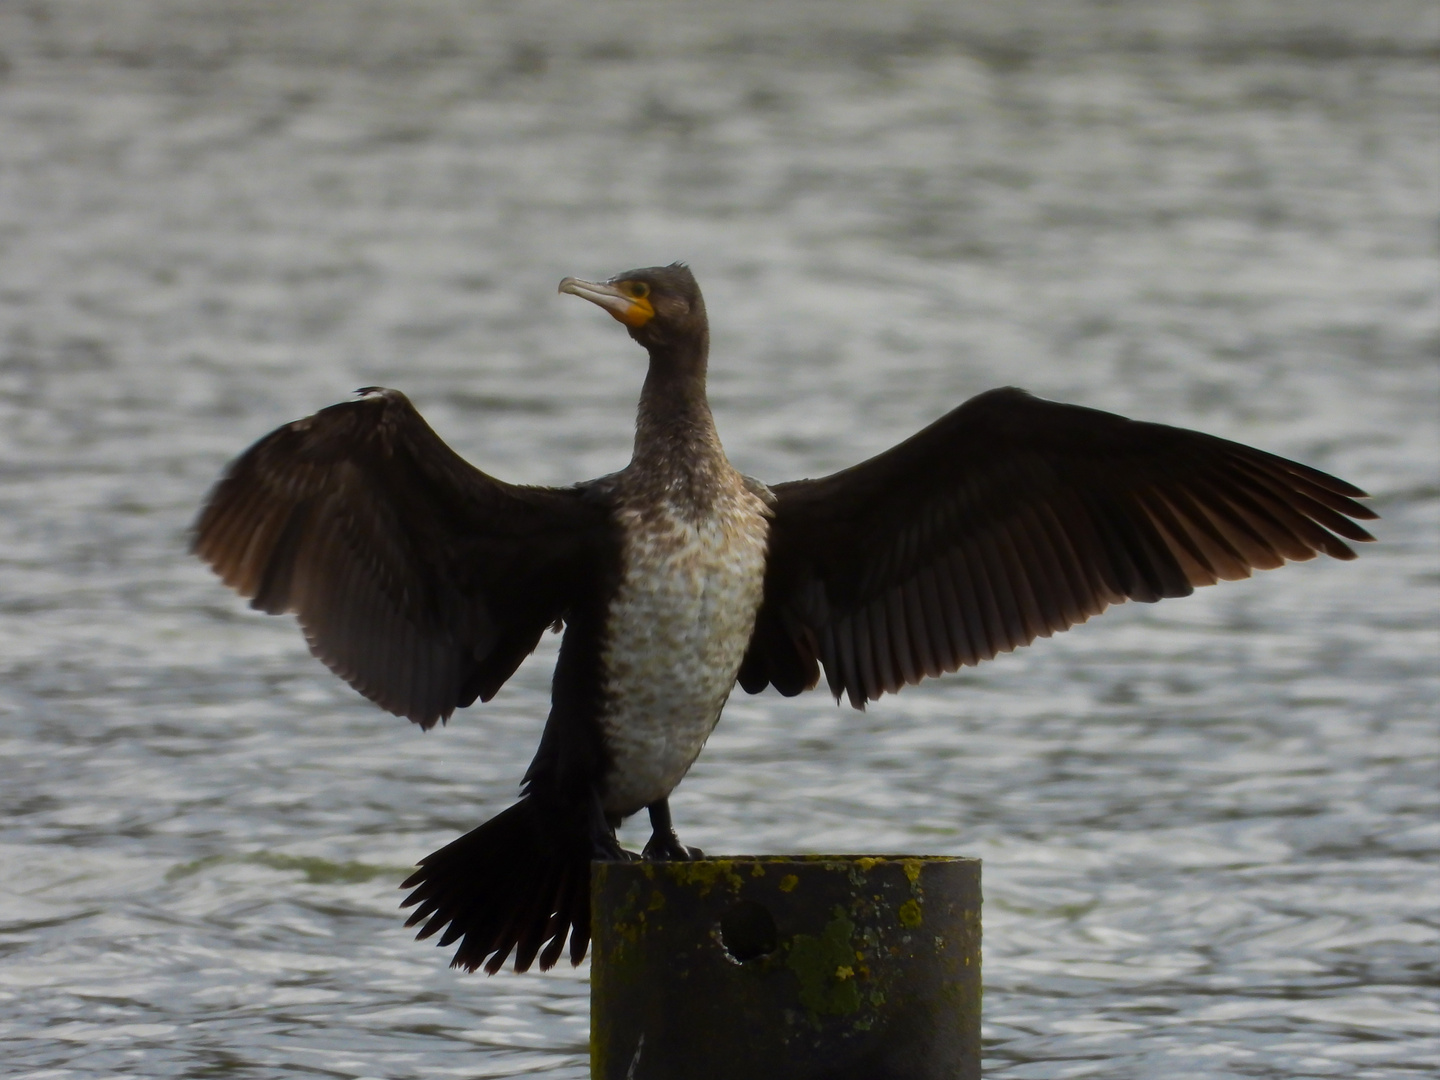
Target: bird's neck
{"points": [[676, 445]]}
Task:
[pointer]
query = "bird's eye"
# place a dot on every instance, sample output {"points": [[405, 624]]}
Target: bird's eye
{"points": [[638, 289]]}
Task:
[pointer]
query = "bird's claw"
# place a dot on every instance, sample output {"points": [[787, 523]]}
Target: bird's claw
{"points": [[605, 848], [666, 847]]}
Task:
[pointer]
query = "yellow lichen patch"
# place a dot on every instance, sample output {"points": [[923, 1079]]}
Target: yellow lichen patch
{"points": [[867, 863], [912, 869], [757, 870], [657, 900], [705, 873], [909, 913], [788, 883]]}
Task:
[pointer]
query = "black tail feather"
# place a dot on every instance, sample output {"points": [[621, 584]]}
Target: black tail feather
{"points": [[517, 883]]}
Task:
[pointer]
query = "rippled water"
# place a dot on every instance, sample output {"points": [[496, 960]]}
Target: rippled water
{"points": [[1209, 827]]}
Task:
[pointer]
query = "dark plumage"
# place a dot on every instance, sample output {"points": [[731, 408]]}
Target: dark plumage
{"points": [[424, 582]]}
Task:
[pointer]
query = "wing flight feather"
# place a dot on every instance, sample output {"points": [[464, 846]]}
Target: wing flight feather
{"points": [[1014, 518], [417, 578]]}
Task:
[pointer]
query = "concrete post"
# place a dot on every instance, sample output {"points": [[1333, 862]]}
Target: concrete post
{"points": [[826, 967]]}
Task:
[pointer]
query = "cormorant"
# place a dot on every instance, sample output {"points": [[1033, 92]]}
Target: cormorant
{"points": [[424, 583]]}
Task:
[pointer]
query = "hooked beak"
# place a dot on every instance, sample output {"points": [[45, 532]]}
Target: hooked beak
{"points": [[633, 311]]}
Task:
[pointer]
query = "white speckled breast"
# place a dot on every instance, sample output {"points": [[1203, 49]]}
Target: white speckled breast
{"points": [[676, 634]]}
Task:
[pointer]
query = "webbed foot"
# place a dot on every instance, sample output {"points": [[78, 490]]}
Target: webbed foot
{"points": [[664, 845]]}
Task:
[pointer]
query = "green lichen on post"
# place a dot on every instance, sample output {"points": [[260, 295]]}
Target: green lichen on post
{"points": [[627, 919], [825, 966]]}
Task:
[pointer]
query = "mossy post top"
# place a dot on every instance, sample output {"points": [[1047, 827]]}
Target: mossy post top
{"points": [[832, 967]]}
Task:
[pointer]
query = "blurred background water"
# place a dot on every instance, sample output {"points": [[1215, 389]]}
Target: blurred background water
{"points": [[1209, 827]]}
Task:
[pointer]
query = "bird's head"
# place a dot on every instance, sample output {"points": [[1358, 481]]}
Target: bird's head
{"points": [[660, 305]]}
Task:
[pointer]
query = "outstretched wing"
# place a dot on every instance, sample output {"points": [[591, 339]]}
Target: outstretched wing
{"points": [[1012, 518], [416, 578]]}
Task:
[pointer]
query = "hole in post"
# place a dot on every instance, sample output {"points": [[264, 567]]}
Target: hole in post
{"points": [[747, 932]]}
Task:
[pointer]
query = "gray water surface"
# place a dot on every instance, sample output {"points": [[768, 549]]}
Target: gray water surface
{"points": [[1209, 826]]}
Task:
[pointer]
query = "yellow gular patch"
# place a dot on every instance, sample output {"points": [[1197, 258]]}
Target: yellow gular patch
{"points": [[637, 314]]}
